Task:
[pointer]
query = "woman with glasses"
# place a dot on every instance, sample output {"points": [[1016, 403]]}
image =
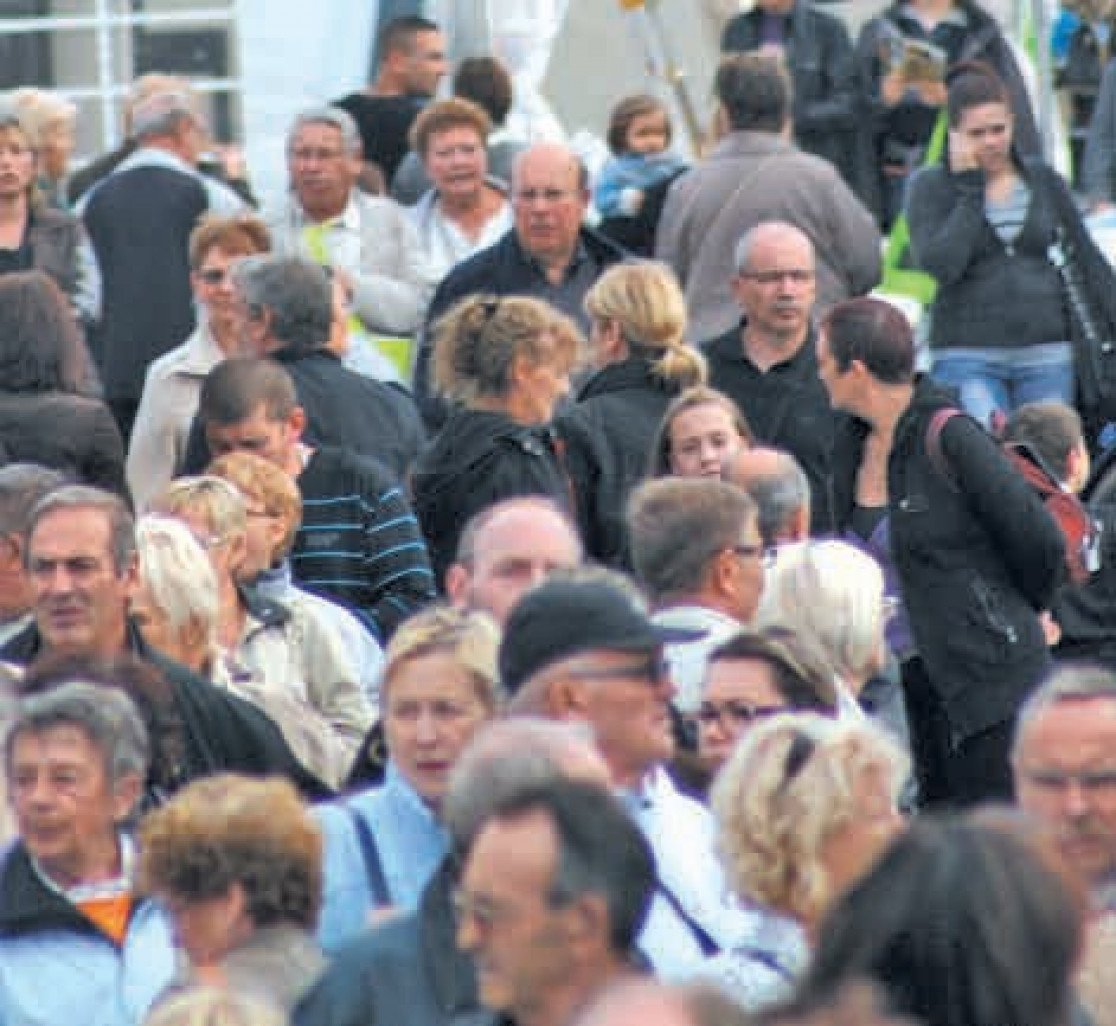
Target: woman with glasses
{"points": [[507, 363], [805, 805], [440, 686], [170, 390], [754, 675], [641, 360]]}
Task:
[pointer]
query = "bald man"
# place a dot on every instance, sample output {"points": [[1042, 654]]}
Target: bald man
{"points": [[548, 254], [767, 364]]}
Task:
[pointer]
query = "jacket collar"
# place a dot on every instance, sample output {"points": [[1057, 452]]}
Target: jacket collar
{"points": [[452, 975], [28, 905], [634, 373]]}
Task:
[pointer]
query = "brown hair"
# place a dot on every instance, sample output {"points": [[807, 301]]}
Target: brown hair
{"points": [[691, 399], [626, 111], [441, 116], [478, 340], [241, 235]]}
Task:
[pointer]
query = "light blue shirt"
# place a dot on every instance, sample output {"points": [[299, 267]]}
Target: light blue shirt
{"points": [[411, 841]]}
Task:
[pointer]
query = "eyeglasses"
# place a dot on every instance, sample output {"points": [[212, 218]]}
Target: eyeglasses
{"points": [[655, 669], [546, 195], [765, 554], [797, 276], [213, 275], [738, 713], [481, 911], [1095, 782], [305, 155]]}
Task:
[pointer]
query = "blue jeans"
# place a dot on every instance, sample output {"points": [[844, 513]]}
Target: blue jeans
{"points": [[993, 380]]}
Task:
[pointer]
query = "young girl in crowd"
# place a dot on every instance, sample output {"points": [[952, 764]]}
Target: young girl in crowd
{"points": [[639, 136]]}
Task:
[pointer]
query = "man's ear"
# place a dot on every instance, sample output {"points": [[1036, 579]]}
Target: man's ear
{"points": [[125, 796], [297, 421], [457, 584]]}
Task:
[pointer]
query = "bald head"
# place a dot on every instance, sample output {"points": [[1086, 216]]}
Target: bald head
{"points": [[766, 234], [507, 549], [550, 195], [780, 489]]}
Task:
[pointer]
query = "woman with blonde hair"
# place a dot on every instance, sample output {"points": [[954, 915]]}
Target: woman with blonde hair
{"points": [[507, 363], [700, 431], [440, 686], [50, 119], [805, 805], [638, 348]]}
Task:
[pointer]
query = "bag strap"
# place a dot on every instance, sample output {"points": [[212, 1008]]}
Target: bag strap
{"points": [[709, 947], [934, 450], [370, 854]]}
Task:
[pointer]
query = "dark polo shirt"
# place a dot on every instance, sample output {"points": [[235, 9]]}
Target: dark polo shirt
{"points": [[787, 407]]}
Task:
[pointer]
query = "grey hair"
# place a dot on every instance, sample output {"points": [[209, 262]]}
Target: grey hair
{"points": [[1083, 682], [742, 256], [162, 114], [296, 292], [22, 486], [106, 715], [176, 571], [505, 758], [779, 495], [122, 525], [339, 118]]}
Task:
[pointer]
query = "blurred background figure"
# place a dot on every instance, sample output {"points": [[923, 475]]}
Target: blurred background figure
{"points": [[238, 864], [49, 120], [805, 806]]}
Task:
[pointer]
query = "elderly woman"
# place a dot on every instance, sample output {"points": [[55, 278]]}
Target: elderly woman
{"points": [[701, 430], [805, 805], [638, 350], [287, 647], [507, 362], [274, 506], [238, 864], [50, 120], [47, 415], [832, 593], [466, 210], [78, 941], [170, 390], [175, 609], [968, 921], [439, 687]]}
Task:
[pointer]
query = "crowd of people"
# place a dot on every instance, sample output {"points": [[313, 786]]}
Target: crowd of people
{"points": [[419, 607]]}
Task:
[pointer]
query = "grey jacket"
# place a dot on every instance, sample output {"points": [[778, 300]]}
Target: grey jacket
{"points": [[392, 283], [752, 177]]}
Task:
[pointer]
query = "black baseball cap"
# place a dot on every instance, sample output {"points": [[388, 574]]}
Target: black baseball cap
{"points": [[561, 618]]}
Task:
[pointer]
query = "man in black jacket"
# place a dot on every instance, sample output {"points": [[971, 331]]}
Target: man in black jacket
{"points": [[548, 254], [819, 55], [81, 566], [289, 314]]}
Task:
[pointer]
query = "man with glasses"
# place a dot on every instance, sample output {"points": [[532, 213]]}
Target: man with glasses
{"points": [[767, 364], [580, 647], [696, 549], [367, 241], [754, 174], [548, 254], [1064, 765]]}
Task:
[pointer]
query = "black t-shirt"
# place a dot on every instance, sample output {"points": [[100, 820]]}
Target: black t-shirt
{"points": [[384, 123]]}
